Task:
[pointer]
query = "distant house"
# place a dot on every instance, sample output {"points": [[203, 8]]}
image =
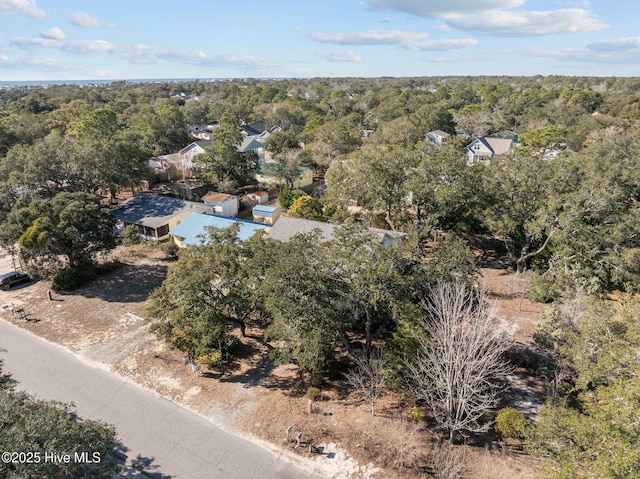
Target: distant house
{"points": [[258, 131], [267, 175], [155, 215], [159, 165], [194, 229], [265, 214], [184, 95], [252, 144], [202, 132], [287, 227], [438, 137], [189, 152], [222, 203], [259, 197], [488, 147], [183, 161], [180, 164]]}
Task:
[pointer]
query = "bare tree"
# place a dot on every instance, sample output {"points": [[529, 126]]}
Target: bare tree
{"points": [[447, 462], [459, 365], [370, 377]]}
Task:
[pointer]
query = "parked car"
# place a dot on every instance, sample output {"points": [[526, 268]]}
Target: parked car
{"points": [[14, 278]]}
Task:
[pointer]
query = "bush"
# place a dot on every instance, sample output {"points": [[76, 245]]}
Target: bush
{"points": [[511, 422], [287, 197], [415, 415], [543, 290], [170, 249], [313, 393], [67, 279], [210, 359], [130, 235]]}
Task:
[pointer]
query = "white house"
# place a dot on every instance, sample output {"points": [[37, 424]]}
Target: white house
{"points": [[488, 147], [223, 204], [259, 197], [438, 137]]}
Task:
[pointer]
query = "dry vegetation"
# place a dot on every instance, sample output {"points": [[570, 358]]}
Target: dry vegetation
{"points": [[102, 323]]}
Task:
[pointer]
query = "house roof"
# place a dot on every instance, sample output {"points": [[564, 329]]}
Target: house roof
{"points": [[492, 146], [249, 144], [171, 158], [499, 146], [440, 133], [507, 134], [153, 211], [258, 193], [215, 197], [287, 227], [254, 128], [194, 228], [263, 210], [202, 144]]}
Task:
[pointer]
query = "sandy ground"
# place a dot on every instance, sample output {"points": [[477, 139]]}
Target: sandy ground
{"points": [[103, 324]]}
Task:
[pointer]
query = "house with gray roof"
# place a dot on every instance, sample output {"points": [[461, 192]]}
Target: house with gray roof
{"points": [[287, 227], [154, 215], [438, 137], [488, 147]]}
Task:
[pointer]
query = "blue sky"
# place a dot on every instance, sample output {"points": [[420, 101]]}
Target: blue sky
{"points": [[139, 39]]}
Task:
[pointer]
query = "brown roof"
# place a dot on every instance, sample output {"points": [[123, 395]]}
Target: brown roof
{"points": [[216, 197]]}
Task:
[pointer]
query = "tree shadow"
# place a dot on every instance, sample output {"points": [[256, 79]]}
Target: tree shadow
{"points": [[146, 468], [139, 466], [127, 284], [247, 352]]}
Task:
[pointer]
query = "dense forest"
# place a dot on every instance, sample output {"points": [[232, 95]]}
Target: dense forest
{"points": [[561, 207]]}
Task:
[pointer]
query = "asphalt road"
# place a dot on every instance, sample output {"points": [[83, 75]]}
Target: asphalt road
{"points": [[161, 438]]}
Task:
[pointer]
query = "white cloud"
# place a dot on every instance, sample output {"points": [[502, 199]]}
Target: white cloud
{"points": [[523, 24], [22, 7], [54, 33], [444, 45], [436, 8], [416, 41], [497, 17], [43, 64], [618, 51], [140, 53], [91, 46], [27, 43], [86, 20], [145, 54], [619, 45], [341, 56], [372, 37]]}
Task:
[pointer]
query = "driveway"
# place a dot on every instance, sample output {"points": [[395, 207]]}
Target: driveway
{"points": [[161, 438]]}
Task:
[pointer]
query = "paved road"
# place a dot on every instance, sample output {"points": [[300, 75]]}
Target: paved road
{"points": [[164, 438]]}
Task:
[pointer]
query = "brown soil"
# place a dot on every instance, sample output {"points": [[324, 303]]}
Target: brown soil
{"points": [[103, 323]]}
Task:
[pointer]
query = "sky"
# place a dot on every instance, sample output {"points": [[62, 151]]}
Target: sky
{"points": [[55, 40]]}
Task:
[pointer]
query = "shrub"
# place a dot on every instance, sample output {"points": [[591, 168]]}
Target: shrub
{"points": [[415, 415], [170, 249], [130, 235], [70, 278], [210, 358], [511, 422], [542, 290], [313, 393]]}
